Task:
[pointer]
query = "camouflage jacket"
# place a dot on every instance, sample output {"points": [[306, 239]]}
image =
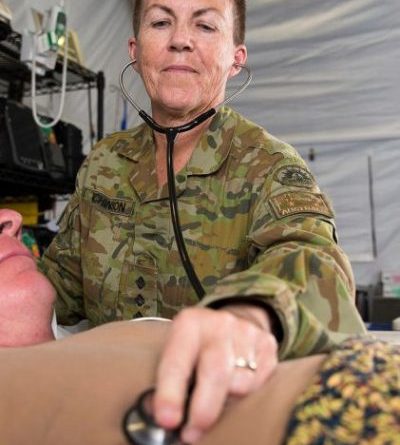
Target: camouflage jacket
{"points": [[255, 223]]}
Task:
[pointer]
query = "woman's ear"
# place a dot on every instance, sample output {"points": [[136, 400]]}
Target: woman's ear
{"points": [[240, 58], [132, 43], [133, 52]]}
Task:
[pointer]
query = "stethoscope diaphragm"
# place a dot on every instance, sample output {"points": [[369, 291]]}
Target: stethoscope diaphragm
{"points": [[140, 427]]}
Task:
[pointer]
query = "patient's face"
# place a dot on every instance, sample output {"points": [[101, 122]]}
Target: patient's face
{"points": [[26, 296]]}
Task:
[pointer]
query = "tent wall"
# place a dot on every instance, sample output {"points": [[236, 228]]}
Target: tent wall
{"points": [[327, 76]]}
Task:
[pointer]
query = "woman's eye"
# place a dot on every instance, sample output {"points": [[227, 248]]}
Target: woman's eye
{"points": [[206, 27], [160, 24]]}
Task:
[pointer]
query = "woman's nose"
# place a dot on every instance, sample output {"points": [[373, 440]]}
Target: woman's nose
{"points": [[10, 223], [181, 39]]}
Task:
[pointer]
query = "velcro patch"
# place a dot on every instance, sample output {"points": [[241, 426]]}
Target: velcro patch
{"points": [[105, 203], [294, 175], [292, 203]]}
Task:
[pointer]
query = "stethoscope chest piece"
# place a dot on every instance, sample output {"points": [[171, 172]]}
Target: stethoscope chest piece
{"points": [[140, 428]]}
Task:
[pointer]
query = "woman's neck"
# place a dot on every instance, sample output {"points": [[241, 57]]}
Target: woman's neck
{"points": [[184, 146]]}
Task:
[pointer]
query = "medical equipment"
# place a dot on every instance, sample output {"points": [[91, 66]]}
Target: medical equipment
{"points": [[171, 134], [40, 50], [139, 425], [42, 45]]}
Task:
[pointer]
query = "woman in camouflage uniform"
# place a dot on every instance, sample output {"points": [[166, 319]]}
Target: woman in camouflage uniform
{"points": [[259, 232]]}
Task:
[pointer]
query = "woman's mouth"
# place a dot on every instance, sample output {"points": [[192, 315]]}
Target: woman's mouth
{"points": [[180, 69]]}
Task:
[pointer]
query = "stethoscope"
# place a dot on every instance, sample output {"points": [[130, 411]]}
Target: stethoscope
{"points": [[139, 425], [171, 134]]}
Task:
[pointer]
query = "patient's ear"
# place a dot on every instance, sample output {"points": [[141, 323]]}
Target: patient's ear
{"points": [[10, 223]]}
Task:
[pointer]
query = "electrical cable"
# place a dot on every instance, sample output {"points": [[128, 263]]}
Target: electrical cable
{"points": [[91, 126], [52, 123]]}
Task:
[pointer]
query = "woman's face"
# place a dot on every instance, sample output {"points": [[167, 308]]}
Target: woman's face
{"points": [[26, 296], [185, 54]]}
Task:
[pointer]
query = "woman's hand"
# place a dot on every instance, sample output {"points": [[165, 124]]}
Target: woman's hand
{"points": [[229, 351]]}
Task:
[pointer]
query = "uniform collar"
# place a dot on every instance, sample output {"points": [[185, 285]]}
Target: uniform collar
{"points": [[208, 156], [214, 146], [139, 143]]}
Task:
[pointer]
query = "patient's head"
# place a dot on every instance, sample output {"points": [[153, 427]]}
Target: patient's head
{"points": [[26, 296]]}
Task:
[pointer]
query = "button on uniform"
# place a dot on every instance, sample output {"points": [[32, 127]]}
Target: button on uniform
{"points": [[140, 282], [139, 300]]}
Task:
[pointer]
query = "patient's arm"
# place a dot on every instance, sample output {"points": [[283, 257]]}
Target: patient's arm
{"points": [[76, 390], [261, 418]]}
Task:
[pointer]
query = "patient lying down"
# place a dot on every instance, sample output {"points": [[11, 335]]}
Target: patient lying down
{"points": [[26, 296], [76, 390]]}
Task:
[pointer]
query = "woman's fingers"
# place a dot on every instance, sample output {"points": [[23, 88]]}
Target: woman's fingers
{"points": [[213, 374], [222, 354], [175, 371], [253, 368]]}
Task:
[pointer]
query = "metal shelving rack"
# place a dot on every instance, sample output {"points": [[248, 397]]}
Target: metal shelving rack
{"points": [[15, 80]]}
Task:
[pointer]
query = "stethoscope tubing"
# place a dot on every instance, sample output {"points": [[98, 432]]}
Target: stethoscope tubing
{"points": [[145, 431], [171, 133]]}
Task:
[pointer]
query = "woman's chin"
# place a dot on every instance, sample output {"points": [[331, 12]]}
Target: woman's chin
{"points": [[181, 112], [176, 105]]}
